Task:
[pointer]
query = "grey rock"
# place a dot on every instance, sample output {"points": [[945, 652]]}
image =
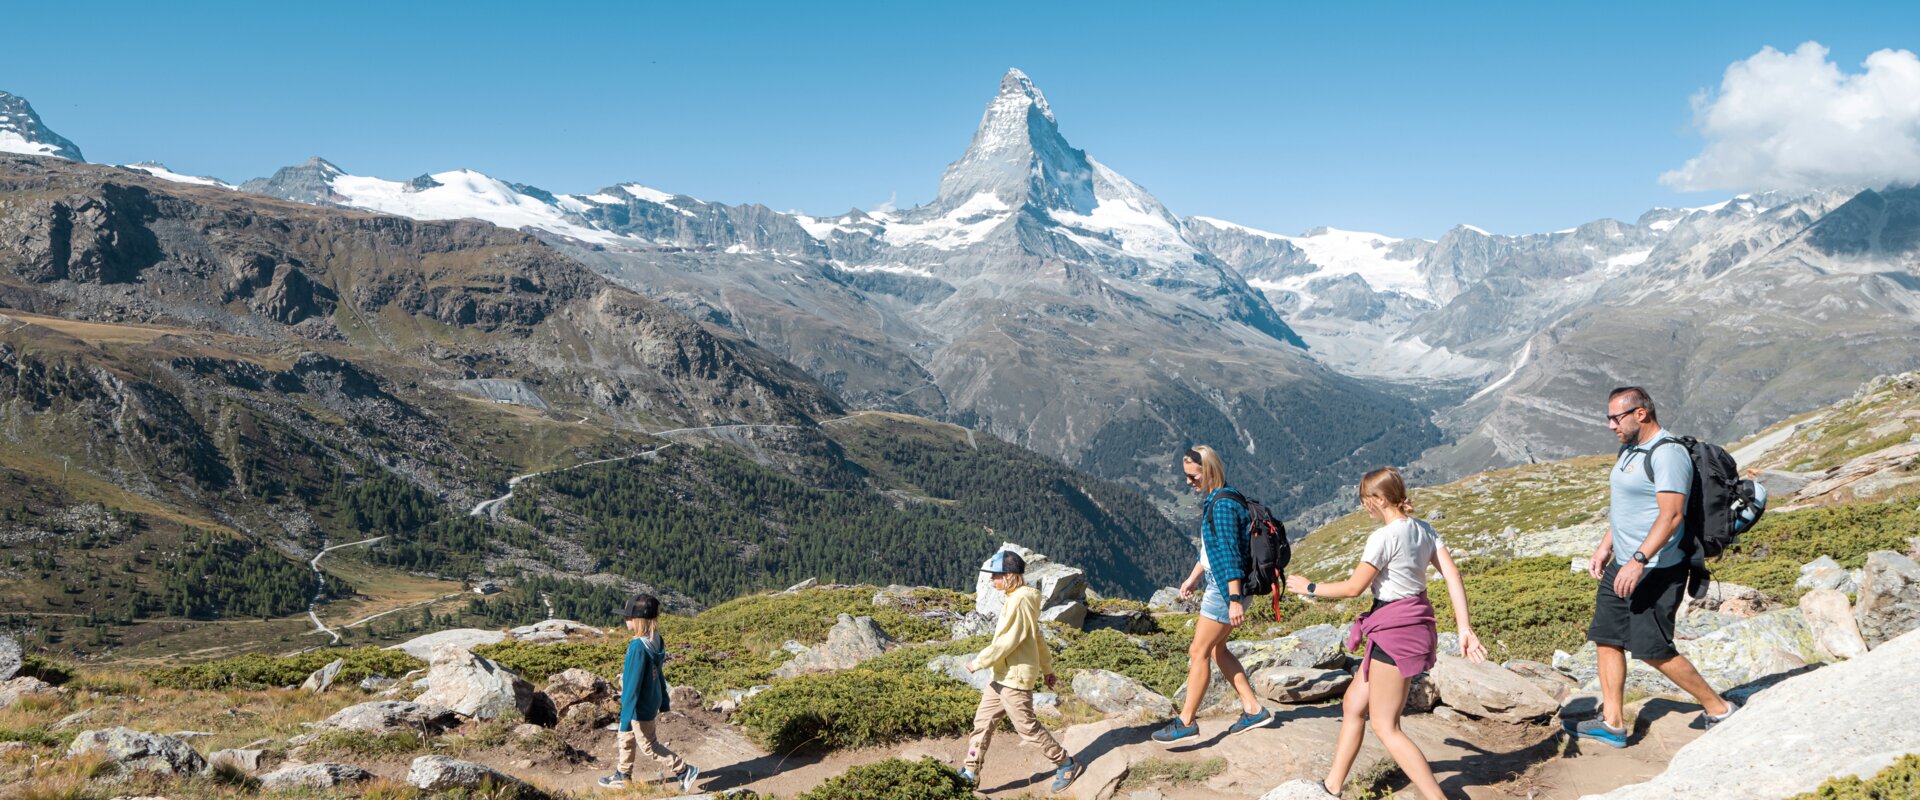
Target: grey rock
{"points": [[390, 716], [1544, 676], [1116, 694], [850, 641], [1700, 622], [1422, 695], [1297, 789], [322, 679], [74, 719], [248, 760], [1168, 600], [475, 687], [1057, 584], [10, 657], [1889, 599], [1130, 622], [13, 690], [893, 595], [973, 623], [1318, 646], [1836, 634], [427, 648], [129, 749], [1299, 684], [955, 667], [441, 773], [553, 631], [1072, 615], [802, 586], [377, 683], [313, 776], [1826, 573], [1789, 739], [574, 686], [1489, 691], [1732, 599]]}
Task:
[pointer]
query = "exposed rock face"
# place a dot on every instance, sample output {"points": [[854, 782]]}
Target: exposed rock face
{"points": [[322, 679], [1790, 738], [1168, 599], [440, 773], [389, 716], [1826, 573], [427, 647], [1889, 604], [850, 641], [10, 657], [1486, 690], [1116, 694], [129, 749], [1299, 684], [571, 687], [313, 776], [1733, 599], [476, 687], [555, 630], [1836, 635]]}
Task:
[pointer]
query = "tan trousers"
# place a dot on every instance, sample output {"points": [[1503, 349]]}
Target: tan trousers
{"points": [[641, 739], [1017, 706]]}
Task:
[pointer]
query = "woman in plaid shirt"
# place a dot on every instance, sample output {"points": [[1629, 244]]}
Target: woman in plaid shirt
{"points": [[1218, 573]]}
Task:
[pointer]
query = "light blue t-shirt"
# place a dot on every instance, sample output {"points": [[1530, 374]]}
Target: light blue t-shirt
{"points": [[1635, 503]]}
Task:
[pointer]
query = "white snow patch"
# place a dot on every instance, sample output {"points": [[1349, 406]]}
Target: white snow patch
{"points": [[1337, 252], [1525, 353], [1476, 229], [161, 172], [12, 142], [963, 226], [898, 269], [463, 194], [1627, 260], [1126, 212], [648, 194]]}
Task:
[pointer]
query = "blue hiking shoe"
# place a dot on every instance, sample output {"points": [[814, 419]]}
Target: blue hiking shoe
{"points": [[1067, 774], [1598, 730], [1175, 731], [970, 776], [687, 777], [1248, 722], [615, 781]]}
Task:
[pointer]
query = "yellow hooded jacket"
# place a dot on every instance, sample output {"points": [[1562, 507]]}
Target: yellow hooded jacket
{"points": [[1018, 655]]}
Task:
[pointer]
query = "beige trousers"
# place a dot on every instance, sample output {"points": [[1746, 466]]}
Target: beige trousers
{"points": [[1017, 706], [641, 739]]}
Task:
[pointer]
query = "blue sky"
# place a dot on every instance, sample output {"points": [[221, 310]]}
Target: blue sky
{"points": [[1399, 118]]}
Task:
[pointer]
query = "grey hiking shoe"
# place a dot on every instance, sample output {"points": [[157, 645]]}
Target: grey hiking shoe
{"points": [[1067, 774], [1598, 730], [1707, 721]]}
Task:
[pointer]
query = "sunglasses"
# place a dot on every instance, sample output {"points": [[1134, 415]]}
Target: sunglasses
{"points": [[1614, 419]]}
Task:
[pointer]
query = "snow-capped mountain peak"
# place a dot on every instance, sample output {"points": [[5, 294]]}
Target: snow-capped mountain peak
{"points": [[21, 131], [1018, 155]]}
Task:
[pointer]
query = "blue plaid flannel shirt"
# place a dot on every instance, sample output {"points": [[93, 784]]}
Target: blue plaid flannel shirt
{"points": [[1223, 532]]}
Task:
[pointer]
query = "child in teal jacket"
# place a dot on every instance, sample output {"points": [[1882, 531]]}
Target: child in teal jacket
{"points": [[643, 695]]}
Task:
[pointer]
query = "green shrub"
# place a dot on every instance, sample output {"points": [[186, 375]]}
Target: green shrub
{"points": [[894, 779], [1172, 772], [737, 644], [857, 707], [33, 665], [35, 735], [1521, 608], [258, 670], [537, 662], [368, 744], [1900, 781], [1161, 664], [914, 658], [1769, 557]]}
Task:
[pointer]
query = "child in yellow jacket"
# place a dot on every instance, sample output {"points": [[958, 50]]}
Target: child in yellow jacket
{"points": [[1019, 658]]}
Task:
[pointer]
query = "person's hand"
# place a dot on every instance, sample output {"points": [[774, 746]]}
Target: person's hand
{"points": [[1597, 565], [1050, 679], [972, 668], [1627, 578], [1471, 648], [1186, 588], [1297, 584], [1236, 614]]}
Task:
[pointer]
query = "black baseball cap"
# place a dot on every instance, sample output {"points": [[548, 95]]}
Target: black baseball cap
{"points": [[642, 606]]}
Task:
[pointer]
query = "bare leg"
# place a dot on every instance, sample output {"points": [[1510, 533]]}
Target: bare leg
{"points": [[1679, 670], [1236, 675], [1353, 729], [1207, 635], [1388, 697], [1612, 662]]}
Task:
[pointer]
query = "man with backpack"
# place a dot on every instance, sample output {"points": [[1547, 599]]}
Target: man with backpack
{"points": [[1643, 564]]}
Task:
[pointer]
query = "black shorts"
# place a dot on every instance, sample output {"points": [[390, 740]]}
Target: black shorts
{"points": [[1642, 624]]}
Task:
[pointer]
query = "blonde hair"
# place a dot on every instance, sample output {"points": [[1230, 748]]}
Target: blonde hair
{"points": [[1213, 473], [1385, 483]]}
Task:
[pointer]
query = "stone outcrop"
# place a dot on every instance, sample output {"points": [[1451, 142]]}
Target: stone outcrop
{"points": [[128, 749], [850, 641], [554, 631], [1826, 573], [1299, 684], [322, 679], [476, 687], [1317, 646], [390, 716], [1836, 635], [427, 647], [1486, 690], [11, 658], [313, 776], [1889, 600], [1846, 719], [441, 773], [1058, 585], [570, 687], [1115, 694]]}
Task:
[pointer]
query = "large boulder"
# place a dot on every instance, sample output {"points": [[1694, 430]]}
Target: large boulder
{"points": [[313, 776], [11, 658], [1826, 573], [1320, 646], [128, 749], [570, 687], [1889, 602], [1116, 694], [1489, 691], [554, 631], [322, 679], [955, 667], [475, 687], [1072, 615], [1128, 621], [1846, 719], [1836, 635], [1058, 584], [973, 623], [1168, 600], [391, 716], [1299, 684], [1297, 789], [426, 648], [1544, 677], [441, 773], [850, 641]]}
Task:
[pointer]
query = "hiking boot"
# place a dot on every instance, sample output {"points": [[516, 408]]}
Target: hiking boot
{"points": [[615, 781], [1707, 721], [1068, 772], [687, 777], [1248, 722], [1175, 731], [967, 774], [1598, 730]]}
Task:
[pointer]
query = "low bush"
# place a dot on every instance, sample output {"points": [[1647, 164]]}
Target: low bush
{"points": [[260, 671], [1521, 608], [35, 735], [1161, 664], [894, 779], [1172, 772], [537, 662], [1769, 557], [1900, 781], [857, 707], [33, 665], [914, 658]]}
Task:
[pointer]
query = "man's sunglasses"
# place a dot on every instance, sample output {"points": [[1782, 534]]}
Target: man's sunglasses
{"points": [[1614, 419]]}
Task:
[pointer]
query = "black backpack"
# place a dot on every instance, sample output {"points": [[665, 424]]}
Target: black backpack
{"points": [[1268, 550], [1721, 505]]}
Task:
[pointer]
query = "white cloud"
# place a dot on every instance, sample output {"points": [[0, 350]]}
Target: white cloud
{"points": [[1795, 121]]}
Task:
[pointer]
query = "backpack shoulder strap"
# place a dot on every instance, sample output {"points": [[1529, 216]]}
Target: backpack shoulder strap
{"points": [[1235, 497], [1685, 441]]}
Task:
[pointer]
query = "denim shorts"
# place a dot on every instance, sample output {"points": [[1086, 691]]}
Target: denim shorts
{"points": [[1213, 606]]}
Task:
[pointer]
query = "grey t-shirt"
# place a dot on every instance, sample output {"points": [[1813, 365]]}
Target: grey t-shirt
{"points": [[1636, 502]]}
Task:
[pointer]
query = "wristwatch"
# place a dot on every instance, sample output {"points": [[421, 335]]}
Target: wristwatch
{"points": [[1235, 598], [1311, 587], [1640, 557]]}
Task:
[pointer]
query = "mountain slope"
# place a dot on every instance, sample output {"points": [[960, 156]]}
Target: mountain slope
{"points": [[21, 131]]}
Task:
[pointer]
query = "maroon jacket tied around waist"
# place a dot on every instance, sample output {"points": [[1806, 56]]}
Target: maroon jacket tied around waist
{"points": [[1403, 628]]}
